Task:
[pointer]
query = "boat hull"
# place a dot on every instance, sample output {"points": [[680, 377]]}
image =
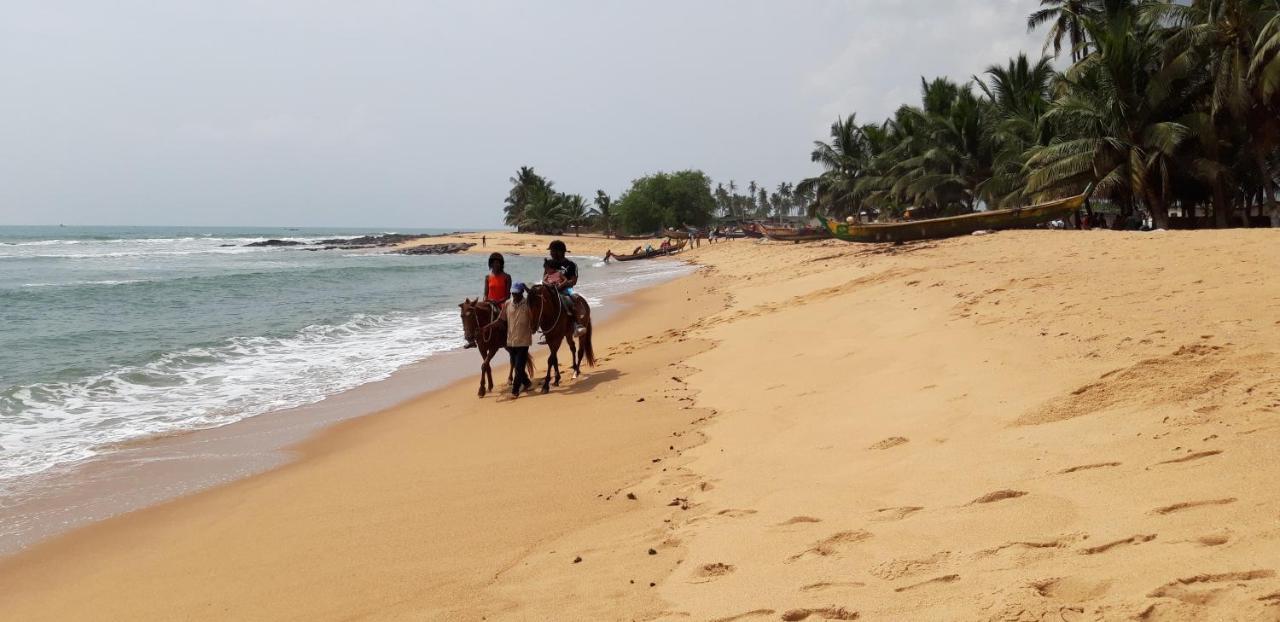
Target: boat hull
{"points": [[657, 252], [1019, 217], [783, 234]]}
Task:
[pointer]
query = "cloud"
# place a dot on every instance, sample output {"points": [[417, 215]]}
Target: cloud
{"points": [[404, 113]]}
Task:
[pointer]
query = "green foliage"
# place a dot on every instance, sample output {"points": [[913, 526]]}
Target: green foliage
{"points": [[1165, 104], [662, 200]]}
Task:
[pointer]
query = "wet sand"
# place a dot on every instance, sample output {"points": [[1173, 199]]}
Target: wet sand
{"points": [[1027, 425]]}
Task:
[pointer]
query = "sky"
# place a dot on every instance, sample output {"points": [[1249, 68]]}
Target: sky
{"points": [[384, 113]]}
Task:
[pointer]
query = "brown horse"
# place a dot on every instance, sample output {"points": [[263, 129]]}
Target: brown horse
{"points": [[550, 316], [478, 327]]}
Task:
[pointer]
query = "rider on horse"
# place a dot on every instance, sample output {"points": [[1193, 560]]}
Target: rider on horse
{"points": [[497, 286], [561, 274]]}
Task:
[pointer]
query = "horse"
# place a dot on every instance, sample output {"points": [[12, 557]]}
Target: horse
{"points": [[478, 328], [550, 316]]}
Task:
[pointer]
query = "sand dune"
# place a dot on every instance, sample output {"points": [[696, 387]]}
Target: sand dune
{"points": [[1023, 426]]}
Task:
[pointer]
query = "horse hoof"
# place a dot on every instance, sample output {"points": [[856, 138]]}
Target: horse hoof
{"points": [[480, 393], [545, 389]]}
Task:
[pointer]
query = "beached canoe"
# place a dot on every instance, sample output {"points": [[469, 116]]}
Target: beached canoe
{"points": [[1015, 218], [787, 234], [676, 234], [752, 230], [657, 252]]}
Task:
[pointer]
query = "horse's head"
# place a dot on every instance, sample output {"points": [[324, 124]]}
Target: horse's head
{"points": [[468, 321]]}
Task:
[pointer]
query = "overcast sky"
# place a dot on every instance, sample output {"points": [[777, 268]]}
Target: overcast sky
{"points": [[414, 114]]}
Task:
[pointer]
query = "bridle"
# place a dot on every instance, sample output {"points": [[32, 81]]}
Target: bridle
{"points": [[541, 307], [471, 320]]}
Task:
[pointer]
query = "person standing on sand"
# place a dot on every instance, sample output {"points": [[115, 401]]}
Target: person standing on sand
{"points": [[483, 242], [519, 337]]}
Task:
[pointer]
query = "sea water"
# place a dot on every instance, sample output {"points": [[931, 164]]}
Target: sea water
{"points": [[111, 334]]}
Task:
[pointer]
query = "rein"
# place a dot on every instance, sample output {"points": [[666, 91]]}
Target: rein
{"points": [[475, 318], [559, 309]]}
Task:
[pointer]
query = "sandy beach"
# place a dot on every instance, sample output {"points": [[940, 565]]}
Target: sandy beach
{"points": [[1030, 425], [531, 244]]}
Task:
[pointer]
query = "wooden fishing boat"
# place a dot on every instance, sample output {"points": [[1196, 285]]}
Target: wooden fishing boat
{"points": [[1015, 218], [787, 234], [676, 234], [643, 236], [643, 254], [752, 230]]}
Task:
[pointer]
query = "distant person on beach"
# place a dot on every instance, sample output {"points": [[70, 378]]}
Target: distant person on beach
{"points": [[497, 284], [519, 337], [561, 274], [483, 242]]}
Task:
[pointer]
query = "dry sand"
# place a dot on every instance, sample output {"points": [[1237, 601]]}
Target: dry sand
{"points": [[529, 244], [1031, 425]]}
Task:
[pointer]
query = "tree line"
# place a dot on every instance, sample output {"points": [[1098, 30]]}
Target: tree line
{"points": [[1163, 105], [653, 202]]}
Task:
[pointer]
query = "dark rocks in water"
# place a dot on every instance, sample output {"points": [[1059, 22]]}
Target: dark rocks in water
{"points": [[434, 249], [373, 241], [275, 243], [225, 245]]}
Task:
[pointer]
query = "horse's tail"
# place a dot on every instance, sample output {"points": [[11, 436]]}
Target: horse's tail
{"points": [[584, 344]]}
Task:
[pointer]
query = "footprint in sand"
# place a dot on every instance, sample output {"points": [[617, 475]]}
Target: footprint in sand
{"points": [[896, 513], [1086, 467], [821, 613], [1031, 545], [1187, 505], [1195, 456], [799, 520], [754, 613], [827, 585], [999, 495], [1103, 548], [1213, 539], [895, 569], [951, 578], [1072, 589], [713, 570], [832, 544], [892, 441], [1182, 589]]}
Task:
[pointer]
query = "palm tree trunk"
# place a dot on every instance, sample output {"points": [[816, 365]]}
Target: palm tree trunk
{"points": [[1268, 189], [1159, 211], [1221, 207]]}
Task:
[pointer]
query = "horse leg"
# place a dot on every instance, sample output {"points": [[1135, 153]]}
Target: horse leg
{"points": [[551, 364], [483, 366], [555, 362], [573, 358]]}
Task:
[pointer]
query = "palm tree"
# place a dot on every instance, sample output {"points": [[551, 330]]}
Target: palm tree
{"points": [[575, 211], [525, 183], [1115, 121], [1067, 18], [1018, 94], [545, 212], [603, 212], [843, 160]]}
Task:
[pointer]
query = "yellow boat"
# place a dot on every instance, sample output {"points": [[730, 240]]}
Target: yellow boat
{"points": [[933, 228]]}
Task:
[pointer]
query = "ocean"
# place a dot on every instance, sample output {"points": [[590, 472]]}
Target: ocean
{"points": [[112, 334]]}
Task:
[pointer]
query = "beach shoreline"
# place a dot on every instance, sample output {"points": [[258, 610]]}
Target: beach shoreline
{"points": [[151, 470], [1057, 423]]}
